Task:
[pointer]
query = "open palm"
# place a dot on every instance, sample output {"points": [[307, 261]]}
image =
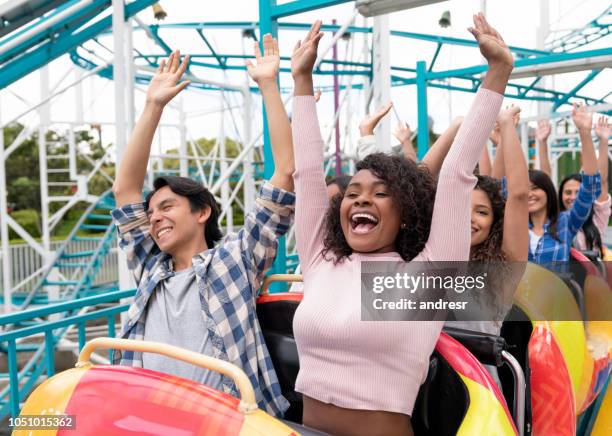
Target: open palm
{"points": [[164, 85], [583, 119], [602, 128], [305, 52], [266, 66], [543, 130], [490, 42]]}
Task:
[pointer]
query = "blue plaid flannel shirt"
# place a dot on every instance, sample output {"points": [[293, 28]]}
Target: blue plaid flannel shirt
{"points": [[569, 222], [228, 278]]}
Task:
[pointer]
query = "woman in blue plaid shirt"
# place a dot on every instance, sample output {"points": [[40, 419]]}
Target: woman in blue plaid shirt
{"points": [[551, 233]]}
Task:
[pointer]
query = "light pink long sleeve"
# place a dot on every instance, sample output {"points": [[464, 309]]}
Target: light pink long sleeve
{"points": [[372, 365]]}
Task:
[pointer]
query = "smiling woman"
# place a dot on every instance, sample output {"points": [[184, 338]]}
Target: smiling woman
{"points": [[387, 196], [390, 212]]}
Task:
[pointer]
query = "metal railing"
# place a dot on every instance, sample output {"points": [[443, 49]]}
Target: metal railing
{"points": [[21, 381]]}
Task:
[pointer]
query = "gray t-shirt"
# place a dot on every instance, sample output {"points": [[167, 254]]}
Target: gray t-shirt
{"points": [[174, 316]]}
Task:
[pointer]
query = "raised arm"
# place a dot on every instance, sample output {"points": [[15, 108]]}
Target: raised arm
{"points": [[583, 120], [484, 163], [516, 215], [404, 135], [456, 180], [542, 134], [311, 193], [497, 171], [499, 164], [438, 151], [591, 179], [163, 87], [602, 130], [265, 73], [366, 144]]}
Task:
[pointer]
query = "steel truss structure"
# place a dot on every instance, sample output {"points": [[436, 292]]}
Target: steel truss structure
{"points": [[97, 36]]}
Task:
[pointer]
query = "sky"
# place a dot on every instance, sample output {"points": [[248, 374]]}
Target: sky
{"points": [[516, 20]]}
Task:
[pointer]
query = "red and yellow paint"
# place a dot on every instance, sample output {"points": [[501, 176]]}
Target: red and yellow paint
{"points": [[116, 400]]}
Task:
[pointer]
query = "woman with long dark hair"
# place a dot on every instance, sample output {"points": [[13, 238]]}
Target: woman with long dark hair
{"points": [[386, 214], [552, 229], [590, 236]]}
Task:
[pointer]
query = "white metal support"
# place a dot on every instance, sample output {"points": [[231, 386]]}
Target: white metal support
{"points": [[381, 77], [249, 180], [183, 163], [119, 73], [7, 267]]}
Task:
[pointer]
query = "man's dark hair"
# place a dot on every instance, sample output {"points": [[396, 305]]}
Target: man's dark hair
{"points": [[199, 197]]}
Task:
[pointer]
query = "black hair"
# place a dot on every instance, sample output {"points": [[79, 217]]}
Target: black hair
{"points": [[341, 182], [199, 197], [413, 191], [591, 232], [542, 181]]}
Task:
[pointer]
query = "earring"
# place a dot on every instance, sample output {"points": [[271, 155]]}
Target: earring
{"points": [[403, 226]]}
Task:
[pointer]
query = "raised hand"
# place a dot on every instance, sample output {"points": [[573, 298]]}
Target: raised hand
{"points": [[543, 130], [305, 52], [602, 128], [490, 42], [510, 115], [164, 85], [494, 136], [266, 66], [402, 132], [367, 125], [583, 119]]}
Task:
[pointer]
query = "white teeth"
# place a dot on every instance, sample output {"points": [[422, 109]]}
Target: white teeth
{"points": [[364, 215], [163, 231]]}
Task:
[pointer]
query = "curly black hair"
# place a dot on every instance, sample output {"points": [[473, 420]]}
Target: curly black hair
{"points": [[491, 248], [413, 190]]}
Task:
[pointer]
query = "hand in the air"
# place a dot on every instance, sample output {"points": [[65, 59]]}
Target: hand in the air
{"points": [[367, 125], [305, 52], [266, 67], [164, 85], [490, 42]]}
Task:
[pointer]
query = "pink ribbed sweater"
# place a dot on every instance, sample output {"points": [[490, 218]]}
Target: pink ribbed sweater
{"points": [[343, 360]]}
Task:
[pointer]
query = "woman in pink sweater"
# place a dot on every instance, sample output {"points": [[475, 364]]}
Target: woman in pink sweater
{"points": [[363, 377]]}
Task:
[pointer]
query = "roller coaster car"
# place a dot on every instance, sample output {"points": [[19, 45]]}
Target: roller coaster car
{"points": [[566, 364], [457, 386], [117, 400]]}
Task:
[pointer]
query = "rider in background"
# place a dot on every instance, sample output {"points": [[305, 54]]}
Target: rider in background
{"points": [[590, 236], [551, 231]]}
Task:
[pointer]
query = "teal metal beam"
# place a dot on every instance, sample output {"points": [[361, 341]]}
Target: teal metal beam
{"points": [[423, 119], [300, 6], [575, 89], [268, 24], [212, 50], [61, 44]]}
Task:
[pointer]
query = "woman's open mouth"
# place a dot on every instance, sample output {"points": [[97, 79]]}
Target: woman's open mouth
{"points": [[363, 223]]}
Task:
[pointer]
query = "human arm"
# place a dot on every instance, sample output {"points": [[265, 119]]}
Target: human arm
{"points": [[265, 73], [456, 181], [542, 134], [366, 144], [499, 166], [309, 177], [164, 87], [484, 163], [602, 130], [515, 243], [436, 154], [404, 135]]}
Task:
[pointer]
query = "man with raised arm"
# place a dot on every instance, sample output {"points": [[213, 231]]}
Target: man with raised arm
{"points": [[196, 289]]}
